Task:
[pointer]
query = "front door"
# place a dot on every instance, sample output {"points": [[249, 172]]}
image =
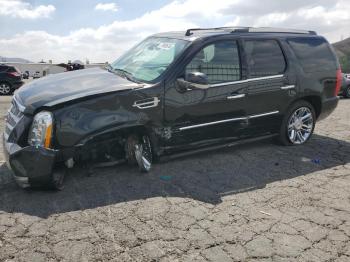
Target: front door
{"points": [[215, 113]]}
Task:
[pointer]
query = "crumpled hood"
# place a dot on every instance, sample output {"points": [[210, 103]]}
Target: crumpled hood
{"points": [[59, 88]]}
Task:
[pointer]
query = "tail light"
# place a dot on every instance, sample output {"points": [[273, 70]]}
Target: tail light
{"points": [[15, 74], [338, 82]]}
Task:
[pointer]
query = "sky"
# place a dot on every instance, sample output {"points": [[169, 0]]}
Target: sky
{"points": [[101, 30]]}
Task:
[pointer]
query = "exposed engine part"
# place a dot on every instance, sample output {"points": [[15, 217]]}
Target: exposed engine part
{"points": [[106, 148]]}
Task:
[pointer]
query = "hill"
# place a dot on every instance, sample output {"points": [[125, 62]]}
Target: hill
{"points": [[13, 60], [342, 48]]}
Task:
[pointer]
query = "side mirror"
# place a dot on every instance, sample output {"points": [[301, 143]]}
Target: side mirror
{"points": [[193, 80], [197, 78]]}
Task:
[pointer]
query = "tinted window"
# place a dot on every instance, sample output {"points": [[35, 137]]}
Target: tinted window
{"points": [[219, 61], [314, 54], [3, 68], [265, 58], [11, 69]]}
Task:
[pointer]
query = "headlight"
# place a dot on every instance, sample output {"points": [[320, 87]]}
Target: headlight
{"points": [[40, 132]]}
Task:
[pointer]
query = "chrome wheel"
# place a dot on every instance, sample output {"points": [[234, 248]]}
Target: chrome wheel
{"points": [[143, 154], [5, 89], [300, 125]]}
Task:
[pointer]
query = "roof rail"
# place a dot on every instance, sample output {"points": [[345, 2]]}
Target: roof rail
{"points": [[279, 30], [252, 30], [190, 31]]}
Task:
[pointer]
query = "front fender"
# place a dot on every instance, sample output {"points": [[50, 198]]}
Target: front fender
{"points": [[79, 122]]}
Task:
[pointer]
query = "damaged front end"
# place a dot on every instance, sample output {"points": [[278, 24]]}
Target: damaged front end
{"points": [[29, 163], [36, 160]]}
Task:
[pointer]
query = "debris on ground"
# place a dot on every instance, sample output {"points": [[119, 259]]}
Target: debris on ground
{"points": [[165, 178], [265, 213], [316, 161]]}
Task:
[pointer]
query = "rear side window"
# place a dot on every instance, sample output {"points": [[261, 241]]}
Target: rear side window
{"points": [[265, 58], [12, 69], [219, 61], [314, 54]]}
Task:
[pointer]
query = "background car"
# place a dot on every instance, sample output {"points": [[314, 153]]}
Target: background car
{"points": [[10, 79], [25, 75], [36, 75], [345, 88]]}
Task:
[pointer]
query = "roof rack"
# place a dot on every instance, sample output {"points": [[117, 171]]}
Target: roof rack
{"points": [[252, 30], [224, 28]]}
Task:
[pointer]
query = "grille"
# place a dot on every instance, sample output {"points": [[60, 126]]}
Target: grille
{"points": [[13, 116]]}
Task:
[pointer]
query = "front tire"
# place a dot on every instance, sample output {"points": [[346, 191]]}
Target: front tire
{"points": [[57, 179], [53, 182], [298, 124], [5, 89], [143, 154]]}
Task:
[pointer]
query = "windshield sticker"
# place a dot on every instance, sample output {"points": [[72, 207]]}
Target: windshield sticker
{"points": [[166, 46]]}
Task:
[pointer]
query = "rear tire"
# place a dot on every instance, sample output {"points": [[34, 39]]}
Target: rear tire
{"points": [[298, 124]]}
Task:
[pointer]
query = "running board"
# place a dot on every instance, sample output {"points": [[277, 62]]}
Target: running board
{"points": [[215, 147]]}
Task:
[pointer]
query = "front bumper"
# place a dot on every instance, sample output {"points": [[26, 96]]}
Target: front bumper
{"points": [[29, 165]]}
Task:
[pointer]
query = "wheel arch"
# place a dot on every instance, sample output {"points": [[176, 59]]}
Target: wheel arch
{"points": [[123, 132], [315, 101], [6, 82]]}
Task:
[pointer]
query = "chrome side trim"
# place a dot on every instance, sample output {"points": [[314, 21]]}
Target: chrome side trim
{"points": [[229, 120], [248, 80], [264, 114], [265, 77], [213, 123], [287, 87], [236, 96]]}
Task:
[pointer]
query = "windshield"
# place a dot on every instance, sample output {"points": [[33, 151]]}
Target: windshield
{"points": [[149, 59]]}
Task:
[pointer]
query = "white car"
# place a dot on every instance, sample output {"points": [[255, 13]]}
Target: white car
{"points": [[36, 75]]}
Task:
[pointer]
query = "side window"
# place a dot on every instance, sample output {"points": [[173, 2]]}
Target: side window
{"points": [[314, 54], [11, 69], [219, 61], [265, 58]]}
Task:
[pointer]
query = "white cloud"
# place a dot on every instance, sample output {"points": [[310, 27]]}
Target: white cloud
{"points": [[20, 9], [105, 43], [107, 7]]}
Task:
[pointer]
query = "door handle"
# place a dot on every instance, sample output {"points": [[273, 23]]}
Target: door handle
{"points": [[233, 96]]}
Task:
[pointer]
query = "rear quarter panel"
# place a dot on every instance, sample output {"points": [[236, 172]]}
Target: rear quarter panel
{"points": [[320, 80]]}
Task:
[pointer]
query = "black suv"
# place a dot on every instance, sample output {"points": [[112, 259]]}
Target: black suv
{"points": [[10, 79], [174, 93]]}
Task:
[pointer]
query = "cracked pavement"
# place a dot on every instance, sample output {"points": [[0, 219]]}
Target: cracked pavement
{"points": [[256, 202]]}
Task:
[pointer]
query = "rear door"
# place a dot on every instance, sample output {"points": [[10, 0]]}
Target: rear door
{"points": [[208, 114], [272, 84]]}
